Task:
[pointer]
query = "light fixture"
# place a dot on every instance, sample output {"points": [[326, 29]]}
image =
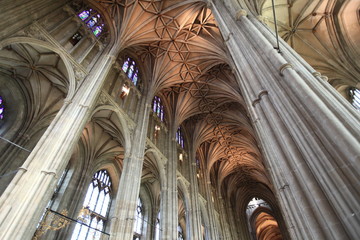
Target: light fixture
{"points": [[157, 128], [84, 215], [180, 156], [124, 91]]}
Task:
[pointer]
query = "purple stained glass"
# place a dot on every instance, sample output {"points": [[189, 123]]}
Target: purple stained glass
{"points": [[154, 104], [84, 15], [1, 100], [1, 110]]}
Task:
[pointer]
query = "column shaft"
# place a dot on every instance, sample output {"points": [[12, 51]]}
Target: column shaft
{"points": [[26, 197], [308, 134]]}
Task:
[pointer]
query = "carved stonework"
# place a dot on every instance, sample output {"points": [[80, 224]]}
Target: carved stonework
{"points": [[79, 74], [103, 99], [34, 31]]}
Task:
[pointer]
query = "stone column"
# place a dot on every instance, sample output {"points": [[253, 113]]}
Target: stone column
{"points": [[195, 213], [169, 214], [25, 199], [213, 233], [309, 135], [122, 224], [224, 219]]}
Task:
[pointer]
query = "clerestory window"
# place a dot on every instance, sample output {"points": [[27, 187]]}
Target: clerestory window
{"points": [[158, 108], [96, 206], [2, 108], [139, 220], [93, 21], [180, 137], [157, 227], [180, 233], [355, 98], [131, 70]]}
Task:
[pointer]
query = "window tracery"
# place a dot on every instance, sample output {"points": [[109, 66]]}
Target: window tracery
{"points": [[180, 233], [97, 202], [355, 98], [157, 227], [93, 21], [131, 70], [139, 220], [158, 108], [180, 137], [2, 108]]}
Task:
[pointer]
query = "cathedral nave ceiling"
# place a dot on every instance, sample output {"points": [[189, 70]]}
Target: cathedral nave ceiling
{"points": [[182, 44]]}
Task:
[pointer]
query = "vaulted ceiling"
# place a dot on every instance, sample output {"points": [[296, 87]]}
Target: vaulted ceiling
{"points": [[186, 63], [324, 32]]}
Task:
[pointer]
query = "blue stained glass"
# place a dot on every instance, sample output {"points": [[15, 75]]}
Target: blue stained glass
{"points": [[1, 100], [91, 23], [135, 78], [126, 65], [130, 72], [84, 15]]}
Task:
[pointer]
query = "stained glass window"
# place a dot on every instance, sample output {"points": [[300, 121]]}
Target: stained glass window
{"points": [[93, 21], [158, 108], [97, 201], [180, 137], [2, 108], [355, 98], [130, 69], [139, 220], [180, 233]]}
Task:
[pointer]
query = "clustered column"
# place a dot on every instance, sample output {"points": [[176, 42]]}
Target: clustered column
{"points": [[309, 135], [26, 197]]}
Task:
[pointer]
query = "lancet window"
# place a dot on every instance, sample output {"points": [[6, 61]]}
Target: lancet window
{"points": [[157, 227], [139, 220], [355, 98], [93, 21], [131, 70], [96, 205], [180, 233], [158, 108], [180, 137], [2, 108]]}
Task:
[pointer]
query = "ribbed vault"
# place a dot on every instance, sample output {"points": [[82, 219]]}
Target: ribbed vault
{"points": [[190, 70], [323, 32]]}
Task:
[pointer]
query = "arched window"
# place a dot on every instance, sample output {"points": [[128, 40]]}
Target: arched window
{"points": [[157, 227], [2, 108], [180, 233], [355, 98], [158, 108], [179, 137], [139, 220], [130, 69], [93, 21], [96, 203]]}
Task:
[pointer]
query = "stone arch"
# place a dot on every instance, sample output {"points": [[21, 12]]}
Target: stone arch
{"points": [[183, 193], [46, 45]]}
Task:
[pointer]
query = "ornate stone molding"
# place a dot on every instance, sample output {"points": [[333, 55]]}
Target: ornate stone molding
{"points": [[241, 13], [285, 66]]}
